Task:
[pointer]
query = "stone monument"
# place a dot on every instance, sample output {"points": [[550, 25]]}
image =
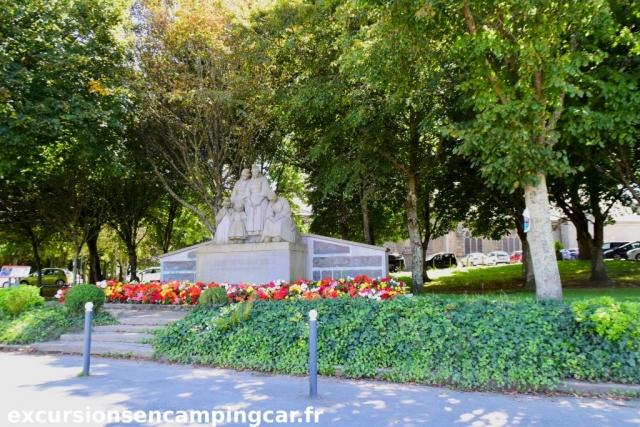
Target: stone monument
{"points": [[260, 240], [257, 241]]}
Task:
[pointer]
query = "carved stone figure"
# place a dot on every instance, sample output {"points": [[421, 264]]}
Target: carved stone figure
{"points": [[256, 193], [278, 224], [238, 195], [238, 231], [223, 221]]}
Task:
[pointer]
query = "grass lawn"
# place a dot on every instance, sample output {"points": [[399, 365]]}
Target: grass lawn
{"points": [[506, 280]]}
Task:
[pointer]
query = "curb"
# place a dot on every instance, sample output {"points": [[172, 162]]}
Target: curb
{"points": [[583, 387], [569, 386]]}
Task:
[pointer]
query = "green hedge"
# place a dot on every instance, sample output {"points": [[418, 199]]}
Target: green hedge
{"points": [[44, 323], [474, 344], [79, 295], [15, 300]]}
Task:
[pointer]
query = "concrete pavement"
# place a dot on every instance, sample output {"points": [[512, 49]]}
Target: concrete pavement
{"points": [[31, 385]]}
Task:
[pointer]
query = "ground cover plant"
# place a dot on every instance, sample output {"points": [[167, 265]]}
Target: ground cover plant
{"points": [[474, 344], [43, 323]]}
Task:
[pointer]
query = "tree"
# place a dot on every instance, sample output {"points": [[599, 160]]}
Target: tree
{"points": [[605, 114], [60, 64], [587, 198], [130, 194], [23, 215], [519, 59], [198, 96]]}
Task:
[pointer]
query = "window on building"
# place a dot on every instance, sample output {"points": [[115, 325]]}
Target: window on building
{"points": [[510, 244], [472, 244]]}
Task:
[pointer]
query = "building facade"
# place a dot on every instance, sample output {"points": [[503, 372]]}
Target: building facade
{"points": [[462, 241]]}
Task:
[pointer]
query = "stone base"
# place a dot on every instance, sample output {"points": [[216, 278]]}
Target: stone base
{"points": [[251, 262]]}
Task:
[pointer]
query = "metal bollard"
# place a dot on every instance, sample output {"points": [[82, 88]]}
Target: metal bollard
{"points": [[88, 315], [313, 354]]}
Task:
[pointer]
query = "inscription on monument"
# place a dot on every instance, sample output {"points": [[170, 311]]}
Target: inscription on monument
{"points": [[179, 266], [348, 261], [329, 248]]}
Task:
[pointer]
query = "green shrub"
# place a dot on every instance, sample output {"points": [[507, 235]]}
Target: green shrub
{"points": [[79, 295], [213, 296], [45, 323], [474, 344], [16, 300], [609, 318]]}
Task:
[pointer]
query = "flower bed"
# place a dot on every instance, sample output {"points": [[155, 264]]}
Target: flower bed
{"points": [[360, 287], [186, 293]]}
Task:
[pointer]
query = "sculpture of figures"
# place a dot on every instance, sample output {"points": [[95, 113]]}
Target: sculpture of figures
{"points": [[256, 193], [278, 224], [223, 221], [238, 195], [238, 231]]}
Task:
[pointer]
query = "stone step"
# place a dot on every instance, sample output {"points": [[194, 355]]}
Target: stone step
{"points": [[127, 328], [141, 321], [124, 337], [97, 348], [146, 317]]}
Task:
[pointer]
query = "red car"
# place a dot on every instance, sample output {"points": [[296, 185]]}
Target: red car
{"points": [[515, 257]]}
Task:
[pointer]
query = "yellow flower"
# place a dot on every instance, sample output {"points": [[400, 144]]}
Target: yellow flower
{"points": [[341, 280]]}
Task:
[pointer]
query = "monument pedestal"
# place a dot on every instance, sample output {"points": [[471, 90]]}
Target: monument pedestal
{"points": [[251, 262]]}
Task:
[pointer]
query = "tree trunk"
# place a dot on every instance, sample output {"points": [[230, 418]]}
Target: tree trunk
{"points": [[36, 258], [540, 238], [528, 278], [344, 218], [36, 254], [95, 275], [174, 208], [585, 245], [133, 263], [417, 265], [427, 236], [598, 271], [122, 272], [366, 230]]}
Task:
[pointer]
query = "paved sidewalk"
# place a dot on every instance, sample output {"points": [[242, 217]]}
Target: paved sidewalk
{"points": [[50, 383]]}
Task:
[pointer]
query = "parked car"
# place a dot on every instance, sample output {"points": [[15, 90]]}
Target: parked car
{"points": [[621, 252], [634, 254], [498, 257], [574, 252], [473, 259], [515, 257], [441, 260], [150, 274], [612, 245], [396, 261], [563, 255], [52, 280]]}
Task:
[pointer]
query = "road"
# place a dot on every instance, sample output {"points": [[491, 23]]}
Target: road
{"points": [[47, 388]]}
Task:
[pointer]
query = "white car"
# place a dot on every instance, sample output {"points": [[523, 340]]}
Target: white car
{"points": [[634, 254], [151, 274], [498, 257], [473, 259]]}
